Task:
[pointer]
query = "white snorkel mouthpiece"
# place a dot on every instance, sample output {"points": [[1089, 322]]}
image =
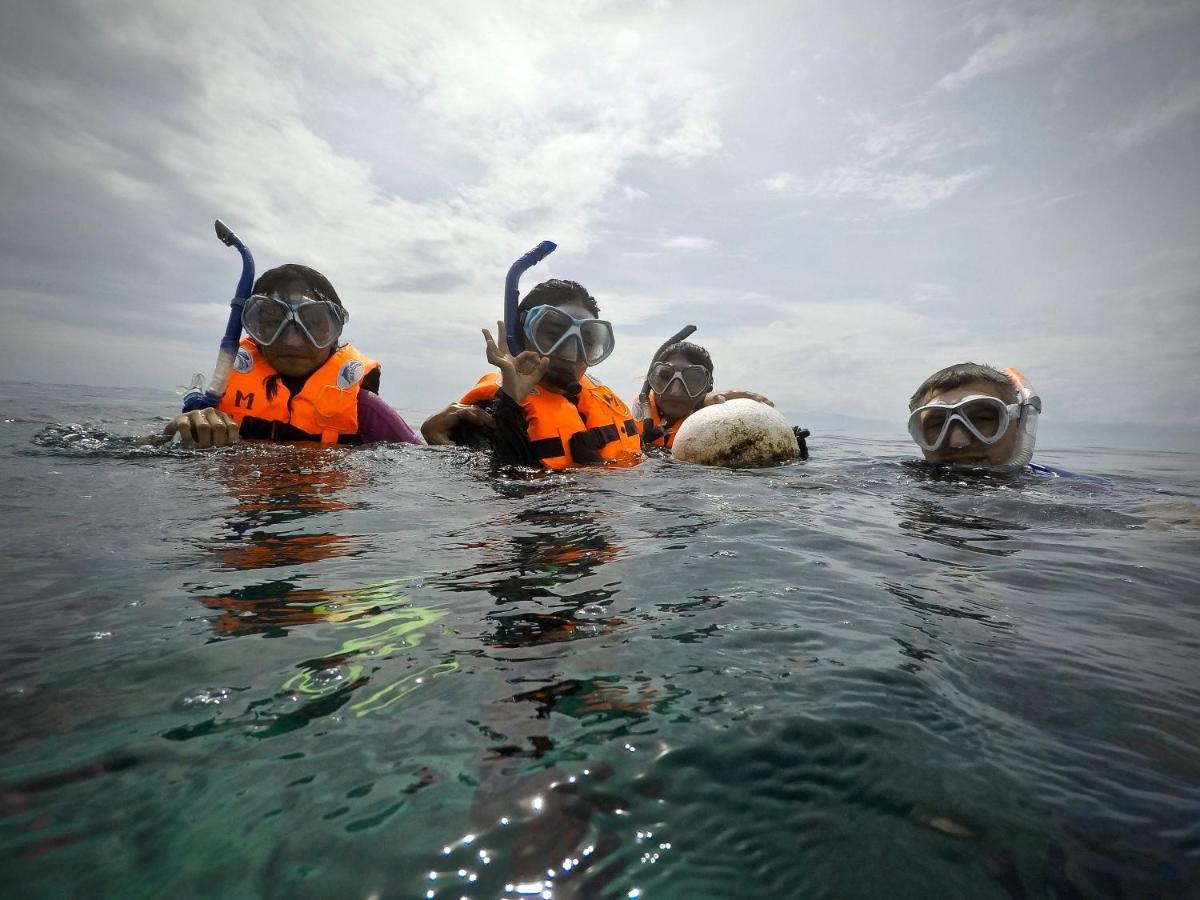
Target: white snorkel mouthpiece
{"points": [[1031, 408]]}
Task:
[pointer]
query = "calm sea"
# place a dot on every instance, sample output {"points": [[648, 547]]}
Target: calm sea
{"points": [[281, 672]]}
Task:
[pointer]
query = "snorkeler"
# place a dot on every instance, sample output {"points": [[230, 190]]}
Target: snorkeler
{"points": [[976, 415], [542, 408], [678, 383], [291, 380]]}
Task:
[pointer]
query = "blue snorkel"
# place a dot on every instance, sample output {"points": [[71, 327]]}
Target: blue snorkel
{"points": [[197, 397], [511, 294]]}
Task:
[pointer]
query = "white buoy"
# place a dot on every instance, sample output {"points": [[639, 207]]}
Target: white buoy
{"points": [[736, 434]]}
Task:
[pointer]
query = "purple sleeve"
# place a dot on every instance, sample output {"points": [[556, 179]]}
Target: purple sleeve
{"points": [[379, 422]]}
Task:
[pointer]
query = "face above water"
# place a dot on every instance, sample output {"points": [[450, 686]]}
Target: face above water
{"points": [[675, 403], [563, 371], [960, 446], [292, 354]]}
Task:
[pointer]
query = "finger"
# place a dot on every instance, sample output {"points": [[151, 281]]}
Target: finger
{"points": [[217, 428], [202, 428], [232, 430], [187, 433], [172, 428], [492, 352]]}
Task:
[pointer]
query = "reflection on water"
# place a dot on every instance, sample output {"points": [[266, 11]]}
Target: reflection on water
{"points": [[932, 522]]}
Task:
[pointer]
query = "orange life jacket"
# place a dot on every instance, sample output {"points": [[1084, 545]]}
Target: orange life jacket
{"points": [[551, 420], [665, 433], [325, 410]]}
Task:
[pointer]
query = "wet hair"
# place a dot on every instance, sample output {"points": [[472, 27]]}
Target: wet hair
{"points": [[957, 375], [557, 292], [693, 353], [287, 275]]}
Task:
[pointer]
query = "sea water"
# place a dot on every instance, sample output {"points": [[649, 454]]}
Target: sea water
{"points": [[269, 671]]}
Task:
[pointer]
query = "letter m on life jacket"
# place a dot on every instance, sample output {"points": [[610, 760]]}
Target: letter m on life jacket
{"points": [[248, 398]]}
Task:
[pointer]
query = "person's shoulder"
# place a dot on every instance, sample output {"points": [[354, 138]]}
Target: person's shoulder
{"points": [[1045, 471]]}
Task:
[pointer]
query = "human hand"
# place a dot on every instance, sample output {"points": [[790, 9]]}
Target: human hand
{"points": [[721, 397], [520, 374], [438, 428], [203, 428]]}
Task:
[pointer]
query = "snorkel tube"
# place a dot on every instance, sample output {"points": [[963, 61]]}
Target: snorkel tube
{"points": [[682, 334], [511, 295], [1031, 408], [197, 397]]}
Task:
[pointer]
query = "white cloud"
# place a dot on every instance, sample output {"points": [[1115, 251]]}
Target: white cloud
{"points": [[1158, 112], [685, 242], [899, 164], [1022, 33], [783, 183]]}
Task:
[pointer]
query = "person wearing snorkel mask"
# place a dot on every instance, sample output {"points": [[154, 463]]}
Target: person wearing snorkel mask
{"points": [[291, 379], [679, 382], [542, 407], [975, 415]]}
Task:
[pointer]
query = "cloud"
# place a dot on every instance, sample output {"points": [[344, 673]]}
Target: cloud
{"points": [[1018, 34], [1158, 112], [684, 242], [903, 165], [416, 158]]}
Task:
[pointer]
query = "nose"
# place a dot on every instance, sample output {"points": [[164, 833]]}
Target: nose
{"points": [[291, 336], [959, 437]]}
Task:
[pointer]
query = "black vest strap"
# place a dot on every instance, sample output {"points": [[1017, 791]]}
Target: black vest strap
{"points": [[548, 448]]}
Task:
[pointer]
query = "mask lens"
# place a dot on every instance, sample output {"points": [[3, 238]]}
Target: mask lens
{"points": [[985, 415], [660, 377], [695, 379], [597, 340], [320, 321], [548, 329], [932, 422], [263, 317]]}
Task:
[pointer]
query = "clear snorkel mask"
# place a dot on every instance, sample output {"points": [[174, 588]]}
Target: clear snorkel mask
{"points": [[265, 317], [552, 332], [987, 418]]}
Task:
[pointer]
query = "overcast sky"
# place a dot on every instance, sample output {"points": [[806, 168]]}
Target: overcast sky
{"points": [[842, 196]]}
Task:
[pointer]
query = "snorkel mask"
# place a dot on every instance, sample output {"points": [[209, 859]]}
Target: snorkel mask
{"points": [[266, 316], [551, 332], [693, 379], [987, 418]]}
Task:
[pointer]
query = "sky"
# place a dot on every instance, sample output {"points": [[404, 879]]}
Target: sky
{"points": [[842, 197]]}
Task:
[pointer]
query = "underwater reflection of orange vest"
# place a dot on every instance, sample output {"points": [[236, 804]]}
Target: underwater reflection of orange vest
{"points": [[665, 433], [551, 421], [325, 410]]}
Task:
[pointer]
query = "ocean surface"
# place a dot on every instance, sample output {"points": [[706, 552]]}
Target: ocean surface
{"points": [[388, 672]]}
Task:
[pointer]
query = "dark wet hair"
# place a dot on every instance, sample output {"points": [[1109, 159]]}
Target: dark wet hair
{"points": [[693, 353], [963, 373], [557, 292], [287, 275]]}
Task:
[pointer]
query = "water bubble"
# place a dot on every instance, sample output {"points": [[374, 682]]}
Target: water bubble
{"points": [[326, 678], [208, 697], [591, 612], [101, 635]]}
